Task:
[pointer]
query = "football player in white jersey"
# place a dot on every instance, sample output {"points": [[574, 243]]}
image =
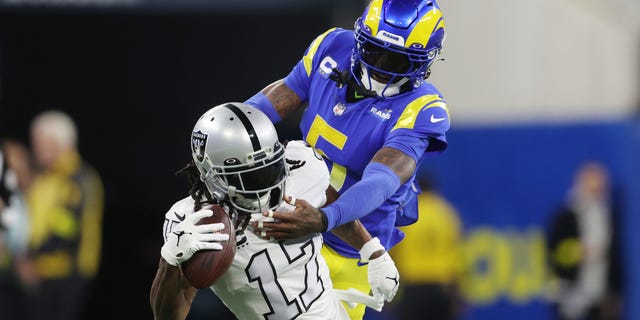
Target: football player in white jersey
{"points": [[239, 163]]}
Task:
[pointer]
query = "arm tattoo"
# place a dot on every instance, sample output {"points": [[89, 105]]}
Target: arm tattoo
{"points": [[353, 233], [285, 100], [398, 161]]}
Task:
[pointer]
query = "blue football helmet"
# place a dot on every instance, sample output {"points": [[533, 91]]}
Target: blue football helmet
{"points": [[396, 43]]}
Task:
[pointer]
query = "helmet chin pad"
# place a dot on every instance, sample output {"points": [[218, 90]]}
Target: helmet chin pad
{"points": [[258, 203], [381, 89]]}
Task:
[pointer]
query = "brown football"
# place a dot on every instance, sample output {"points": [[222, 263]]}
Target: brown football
{"points": [[206, 266]]}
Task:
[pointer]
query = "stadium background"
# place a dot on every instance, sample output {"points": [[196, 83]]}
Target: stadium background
{"points": [[534, 88]]}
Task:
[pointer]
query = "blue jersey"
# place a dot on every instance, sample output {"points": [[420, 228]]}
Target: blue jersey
{"points": [[348, 134]]}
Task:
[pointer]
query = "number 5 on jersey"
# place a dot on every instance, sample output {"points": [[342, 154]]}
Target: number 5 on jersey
{"points": [[320, 128]]}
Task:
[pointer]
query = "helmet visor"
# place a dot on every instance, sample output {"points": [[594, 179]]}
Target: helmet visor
{"points": [[385, 60], [257, 178]]}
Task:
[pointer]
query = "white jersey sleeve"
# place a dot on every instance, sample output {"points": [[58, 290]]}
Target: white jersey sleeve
{"points": [[308, 173]]}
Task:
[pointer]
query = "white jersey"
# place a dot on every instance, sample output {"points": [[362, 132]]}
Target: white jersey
{"points": [[279, 280]]}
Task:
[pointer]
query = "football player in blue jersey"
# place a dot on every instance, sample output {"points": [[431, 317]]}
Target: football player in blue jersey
{"points": [[373, 117]]}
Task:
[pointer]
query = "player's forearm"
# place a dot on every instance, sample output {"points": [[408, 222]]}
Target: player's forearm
{"points": [[355, 235], [378, 184], [284, 99], [171, 294], [402, 165], [388, 169]]}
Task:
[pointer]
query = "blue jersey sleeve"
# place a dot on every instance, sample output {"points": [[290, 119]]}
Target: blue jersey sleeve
{"points": [[378, 183], [298, 81], [421, 128]]}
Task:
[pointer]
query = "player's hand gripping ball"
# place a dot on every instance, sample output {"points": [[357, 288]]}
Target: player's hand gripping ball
{"points": [[206, 266]]}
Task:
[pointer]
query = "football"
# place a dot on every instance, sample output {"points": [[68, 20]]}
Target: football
{"points": [[206, 266]]}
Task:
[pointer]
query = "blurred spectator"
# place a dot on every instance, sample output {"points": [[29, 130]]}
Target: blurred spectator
{"points": [[428, 260], [583, 250], [66, 207], [15, 275]]}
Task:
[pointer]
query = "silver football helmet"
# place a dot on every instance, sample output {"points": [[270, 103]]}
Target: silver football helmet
{"points": [[236, 149]]}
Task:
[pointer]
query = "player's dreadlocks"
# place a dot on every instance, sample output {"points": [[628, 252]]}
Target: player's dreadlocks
{"points": [[199, 190]]}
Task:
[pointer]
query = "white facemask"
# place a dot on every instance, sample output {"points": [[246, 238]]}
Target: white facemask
{"points": [[381, 89], [257, 205]]}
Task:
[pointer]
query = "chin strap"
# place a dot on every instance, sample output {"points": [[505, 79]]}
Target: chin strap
{"points": [[344, 78], [383, 90], [257, 205]]}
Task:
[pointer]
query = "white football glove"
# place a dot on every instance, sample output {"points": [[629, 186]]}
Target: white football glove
{"points": [[383, 275], [187, 238]]}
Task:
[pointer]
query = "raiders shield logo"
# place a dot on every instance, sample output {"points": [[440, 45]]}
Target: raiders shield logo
{"points": [[198, 143]]}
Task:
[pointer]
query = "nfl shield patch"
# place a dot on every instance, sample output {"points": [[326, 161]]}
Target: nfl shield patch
{"points": [[339, 109]]}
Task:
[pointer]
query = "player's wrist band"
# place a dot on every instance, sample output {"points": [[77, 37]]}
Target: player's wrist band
{"points": [[369, 248], [325, 221]]}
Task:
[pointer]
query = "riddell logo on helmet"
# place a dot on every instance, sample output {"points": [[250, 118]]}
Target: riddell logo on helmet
{"points": [[390, 37]]}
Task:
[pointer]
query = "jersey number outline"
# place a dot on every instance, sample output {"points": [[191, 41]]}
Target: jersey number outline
{"points": [[281, 308], [320, 128]]}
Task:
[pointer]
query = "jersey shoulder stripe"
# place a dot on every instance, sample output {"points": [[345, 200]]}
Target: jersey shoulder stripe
{"points": [[333, 42], [313, 48], [410, 113]]}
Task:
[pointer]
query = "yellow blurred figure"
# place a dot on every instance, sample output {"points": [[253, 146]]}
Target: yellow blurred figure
{"points": [[66, 208], [428, 260]]}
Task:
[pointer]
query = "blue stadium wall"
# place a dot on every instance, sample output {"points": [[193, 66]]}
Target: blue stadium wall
{"points": [[506, 183]]}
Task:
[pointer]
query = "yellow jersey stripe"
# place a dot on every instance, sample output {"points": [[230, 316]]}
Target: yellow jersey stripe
{"points": [[439, 104], [410, 113], [338, 176], [308, 58]]}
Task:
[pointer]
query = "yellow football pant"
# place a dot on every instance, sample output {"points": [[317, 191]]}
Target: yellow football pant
{"points": [[345, 273]]}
